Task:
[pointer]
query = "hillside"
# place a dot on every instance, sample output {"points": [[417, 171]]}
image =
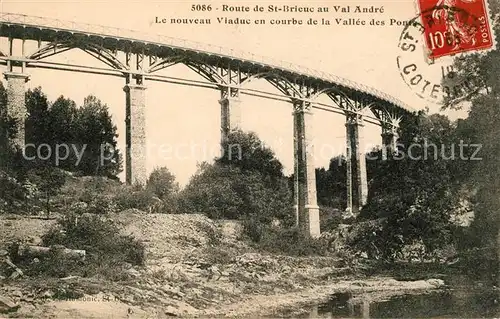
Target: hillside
{"points": [[194, 267]]}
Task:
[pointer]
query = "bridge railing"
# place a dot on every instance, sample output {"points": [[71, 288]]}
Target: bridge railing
{"points": [[127, 34]]}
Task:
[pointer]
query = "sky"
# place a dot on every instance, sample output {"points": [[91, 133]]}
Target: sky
{"points": [[187, 119]]}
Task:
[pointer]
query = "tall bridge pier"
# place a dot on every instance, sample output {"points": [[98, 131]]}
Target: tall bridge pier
{"points": [[16, 99], [135, 133], [357, 180], [306, 206], [390, 137], [137, 58], [230, 112]]}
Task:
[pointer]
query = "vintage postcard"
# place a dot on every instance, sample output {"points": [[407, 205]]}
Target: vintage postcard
{"points": [[299, 159]]}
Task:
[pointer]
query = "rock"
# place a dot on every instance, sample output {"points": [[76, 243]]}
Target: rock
{"points": [[26, 311], [180, 309], [127, 265], [27, 299], [34, 240], [7, 305], [38, 251], [79, 207], [47, 294], [133, 272], [171, 311], [172, 290], [436, 282], [17, 273], [70, 277]]}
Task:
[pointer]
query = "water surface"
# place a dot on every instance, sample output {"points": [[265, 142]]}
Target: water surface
{"points": [[462, 298]]}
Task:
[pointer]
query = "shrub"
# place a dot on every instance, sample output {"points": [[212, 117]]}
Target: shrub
{"points": [[107, 252], [210, 192], [162, 183], [330, 218], [231, 193], [56, 264], [86, 188], [49, 181], [213, 233], [254, 229], [102, 204], [12, 192], [130, 198], [288, 241]]}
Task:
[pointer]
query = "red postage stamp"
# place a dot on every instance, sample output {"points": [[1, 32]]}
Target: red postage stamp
{"points": [[455, 26]]}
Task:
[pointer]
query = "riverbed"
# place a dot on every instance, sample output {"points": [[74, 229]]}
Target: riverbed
{"points": [[461, 297]]}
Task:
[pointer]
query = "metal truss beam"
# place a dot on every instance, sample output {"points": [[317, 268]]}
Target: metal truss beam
{"points": [[389, 121], [156, 64], [207, 71], [339, 107], [104, 55], [292, 90]]}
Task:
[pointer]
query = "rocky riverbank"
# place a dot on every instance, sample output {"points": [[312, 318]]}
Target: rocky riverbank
{"points": [[194, 268]]}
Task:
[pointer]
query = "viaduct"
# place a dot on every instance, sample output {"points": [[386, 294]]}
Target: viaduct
{"points": [[137, 58]]}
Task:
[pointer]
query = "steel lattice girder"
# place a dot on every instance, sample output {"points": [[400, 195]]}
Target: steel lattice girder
{"points": [[389, 119], [97, 51], [227, 68]]}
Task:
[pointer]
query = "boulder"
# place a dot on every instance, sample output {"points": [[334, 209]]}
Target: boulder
{"points": [[7, 305]]}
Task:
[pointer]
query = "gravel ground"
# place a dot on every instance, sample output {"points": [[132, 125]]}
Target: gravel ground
{"points": [[192, 270]]}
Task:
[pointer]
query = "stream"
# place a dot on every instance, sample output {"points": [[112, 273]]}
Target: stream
{"points": [[463, 297]]}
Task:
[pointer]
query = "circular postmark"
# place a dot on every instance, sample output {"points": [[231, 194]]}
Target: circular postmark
{"points": [[427, 46]]}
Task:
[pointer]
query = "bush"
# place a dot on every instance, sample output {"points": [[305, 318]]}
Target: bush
{"points": [[12, 192], [162, 183], [107, 252], [131, 198], [231, 193], [330, 218], [102, 205], [86, 188], [288, 241], [56, 264]]}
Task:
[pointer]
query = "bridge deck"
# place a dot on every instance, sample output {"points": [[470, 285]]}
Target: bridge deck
{"points": [[48, 29]]}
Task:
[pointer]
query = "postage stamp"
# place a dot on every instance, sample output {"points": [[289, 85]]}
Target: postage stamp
{"points": [[430, 40], [455, 26]]}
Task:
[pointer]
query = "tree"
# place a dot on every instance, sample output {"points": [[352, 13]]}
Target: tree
{"points": [[415, 193], [49, 180], [246, 183], [39, 126], [94, 128], [248, 152], [331, 184], [229, 192], [88, 130], [5, 127], [210, 192], [162, 183], [482, 127]]}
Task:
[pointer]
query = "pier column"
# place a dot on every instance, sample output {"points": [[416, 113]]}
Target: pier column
{"points": [[16, 106], [306, 206], [135, 125], [389, 139], [230, 112], [357, 182]]}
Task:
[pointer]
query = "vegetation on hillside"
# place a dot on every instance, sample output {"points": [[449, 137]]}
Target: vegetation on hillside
{"points": [[416, 200]]}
